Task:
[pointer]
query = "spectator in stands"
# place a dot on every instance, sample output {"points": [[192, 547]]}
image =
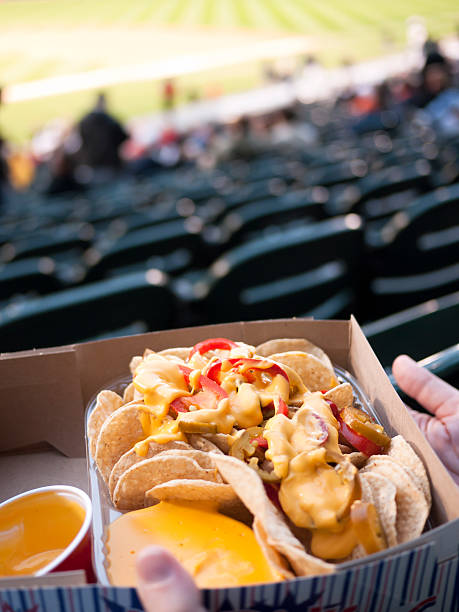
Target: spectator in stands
{"points": [[435, 79], [165, 586], [4, 171], [101, 137], [90, 152], [168, 94]]}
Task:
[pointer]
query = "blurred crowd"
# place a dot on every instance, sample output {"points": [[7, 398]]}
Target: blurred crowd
{"points": [[98, 146]]}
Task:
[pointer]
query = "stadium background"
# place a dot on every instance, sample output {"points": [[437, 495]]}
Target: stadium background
{"points": [[361, 217]]}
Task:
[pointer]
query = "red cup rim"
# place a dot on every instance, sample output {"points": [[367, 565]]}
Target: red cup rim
{"points": [[87, 506]]}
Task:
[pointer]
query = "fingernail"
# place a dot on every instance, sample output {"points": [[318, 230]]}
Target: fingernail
{"points": [[154, 566]]}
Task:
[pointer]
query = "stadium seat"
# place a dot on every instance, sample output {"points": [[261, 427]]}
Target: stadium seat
{"points": [[236, 226], [283, 274], [418, 331], [414, 255], [45, 243], [73, 315], [34, 275], [332, 174], [378, 184], [139, 245], [256, 190]]}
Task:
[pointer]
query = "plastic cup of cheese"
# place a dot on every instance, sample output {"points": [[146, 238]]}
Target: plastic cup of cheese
{"points": [[46, 530]]}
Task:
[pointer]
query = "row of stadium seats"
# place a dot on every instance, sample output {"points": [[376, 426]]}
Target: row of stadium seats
{"points": [[367, 225], [403, 261]]}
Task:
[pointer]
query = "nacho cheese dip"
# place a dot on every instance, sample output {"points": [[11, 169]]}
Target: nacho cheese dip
{"points": [[215, 549], [36, 529]]}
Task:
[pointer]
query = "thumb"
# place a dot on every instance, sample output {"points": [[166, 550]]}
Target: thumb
{"points": [[163, 584], [433, 393]]}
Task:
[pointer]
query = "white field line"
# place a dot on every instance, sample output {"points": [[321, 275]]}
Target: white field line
{"points": [[155, 70]]}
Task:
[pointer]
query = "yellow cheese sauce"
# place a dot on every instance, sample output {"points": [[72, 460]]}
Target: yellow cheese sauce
{"points": [[161, 381], [216, 550], [34, 530]]}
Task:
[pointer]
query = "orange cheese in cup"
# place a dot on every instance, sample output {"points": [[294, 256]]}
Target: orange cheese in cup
{"points": [[34, 530], [217, 551]]}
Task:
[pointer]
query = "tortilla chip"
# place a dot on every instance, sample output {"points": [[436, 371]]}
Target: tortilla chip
{"points": [[179, 353], [314, 374], [341, 395], [401, 451], [276, 561], [297, 388], [129, 393], [106, 403], [188, 490], [120, 431], [135, 361], [202, 442], [249, 488], [412, 507], [284, 345], [130, 457], [381, 492], [129, 493], [358, 553]]}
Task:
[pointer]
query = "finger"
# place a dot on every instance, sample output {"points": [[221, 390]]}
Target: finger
{"points": [[422, 420], [163, 584], [434, 394], [444, 448]]}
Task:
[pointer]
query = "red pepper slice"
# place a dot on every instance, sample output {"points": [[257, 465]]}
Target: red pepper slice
{"points": [[362, 444], [280, 406], [272, 491], [186, 373], [261, 442], [210, 395], [334, 409], [203, 399], [212, 344], [244, 364], [204, 382]]}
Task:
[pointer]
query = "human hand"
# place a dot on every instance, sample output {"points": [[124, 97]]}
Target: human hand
{"points": [[441, 400], [163, 584]]}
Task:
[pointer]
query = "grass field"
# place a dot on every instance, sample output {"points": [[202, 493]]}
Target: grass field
{"points": [[43, 38]]}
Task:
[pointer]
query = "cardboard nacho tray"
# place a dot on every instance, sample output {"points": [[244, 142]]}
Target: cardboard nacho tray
{"points": [[43, 396]]}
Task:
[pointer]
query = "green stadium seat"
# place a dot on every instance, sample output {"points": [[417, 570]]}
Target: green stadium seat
{"points": [[283, 274], [418, 331], [75, 314]]}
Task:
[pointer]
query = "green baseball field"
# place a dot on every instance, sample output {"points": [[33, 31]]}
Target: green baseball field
{"points": [[56, 54]]}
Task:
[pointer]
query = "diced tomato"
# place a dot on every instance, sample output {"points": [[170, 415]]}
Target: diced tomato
{"points": [[212, 344]]}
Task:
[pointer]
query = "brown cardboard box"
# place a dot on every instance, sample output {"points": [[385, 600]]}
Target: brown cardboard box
{"points": [[44, 393]]}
